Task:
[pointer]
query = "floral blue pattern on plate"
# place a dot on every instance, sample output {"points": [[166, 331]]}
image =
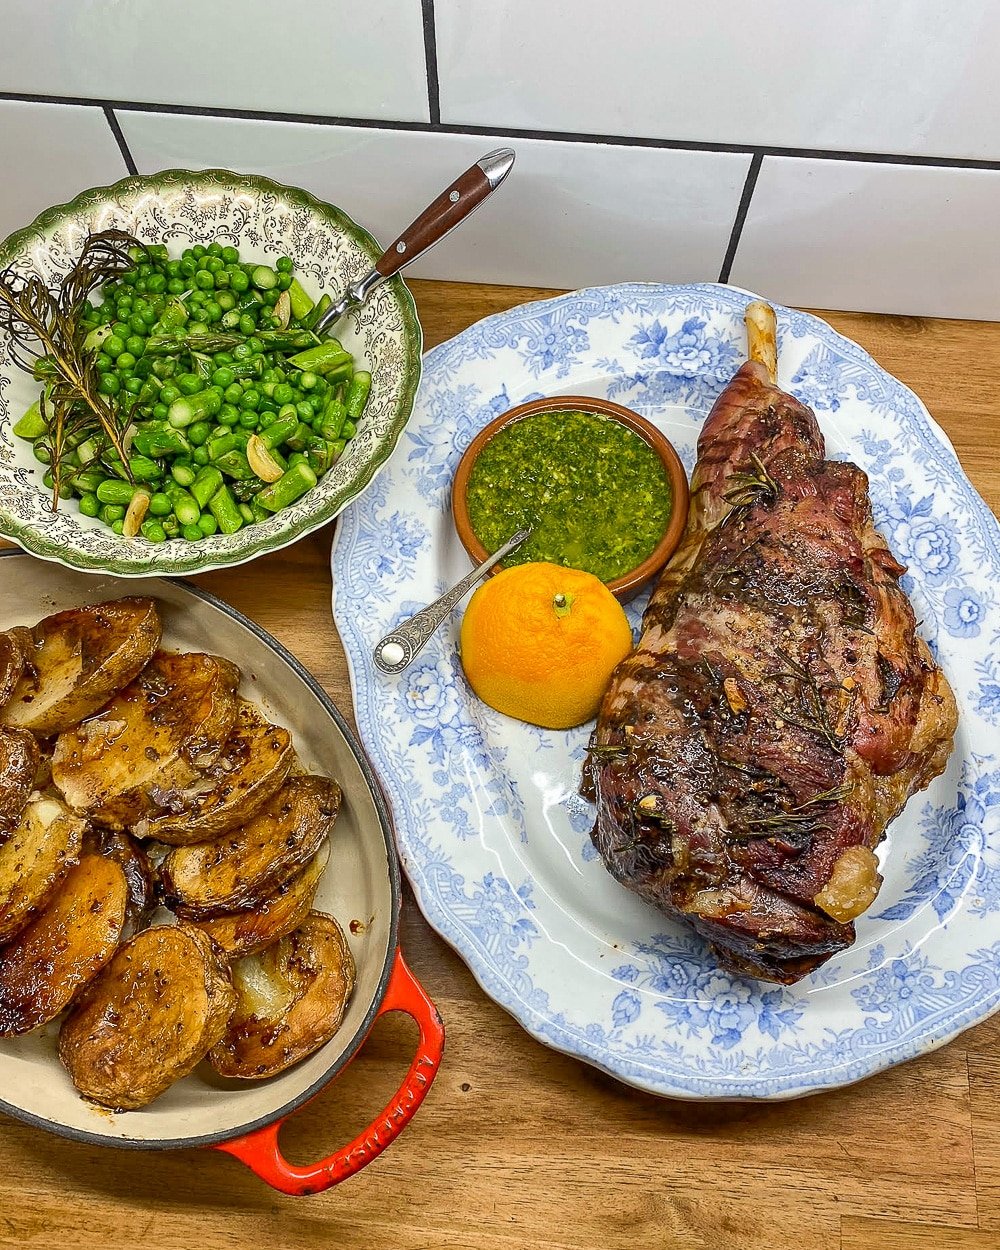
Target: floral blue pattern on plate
{"points": [[491, 829]]}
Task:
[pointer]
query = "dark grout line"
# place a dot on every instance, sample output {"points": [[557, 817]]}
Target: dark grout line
{"points": [[506, 132], [741, 215], [123, 147], [431, 60]]}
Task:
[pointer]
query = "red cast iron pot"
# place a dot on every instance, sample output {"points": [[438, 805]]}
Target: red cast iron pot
{"points": [[361, 888]]}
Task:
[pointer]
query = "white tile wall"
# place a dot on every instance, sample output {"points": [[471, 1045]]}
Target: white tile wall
{"points": [[876, 238], [49, 153], [570, 214], [899, 76], [617, 101], [326, 57]]}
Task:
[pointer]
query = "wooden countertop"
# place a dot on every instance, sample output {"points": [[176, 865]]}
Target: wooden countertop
{"points": [[517, 1146]]}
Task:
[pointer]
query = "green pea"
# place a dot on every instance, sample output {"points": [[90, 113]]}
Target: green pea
{"points": [[109, 384], [247, 324], [308, 380], [208, 525], [103, 362], [135, 344], [169, 394], [284, 264], [213, 311], [176, 286], [223, 377], [204, 280], [238, 280], [156, 282], [125, 361], [114, 345], [200, 455], [189, 383], [225, 299], [230, 255], [160, 505], [192, 533], [111, 512], [264, 278], [248, 419], [228, 414], [153, 531], [118, 527], [89, 505], [233, 393], [198, 432], [250, 399]]}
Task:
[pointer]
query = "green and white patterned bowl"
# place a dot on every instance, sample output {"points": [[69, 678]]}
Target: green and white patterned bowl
{"points": [[264, 220]]}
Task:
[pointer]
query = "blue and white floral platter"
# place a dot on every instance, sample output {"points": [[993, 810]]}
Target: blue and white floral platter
{"points": [[491, 829]]}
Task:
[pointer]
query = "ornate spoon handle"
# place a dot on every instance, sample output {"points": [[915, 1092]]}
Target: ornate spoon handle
{"points": [[407, 640]]}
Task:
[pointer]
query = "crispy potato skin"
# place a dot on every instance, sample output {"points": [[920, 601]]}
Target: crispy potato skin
{"points": [[140, 876], [41, 849], [242, 868], [252, 767], [44, 967], [290, 1001], [80, 658], [242, 933], [19, 760], [161, 1003], [152, 737], [16, 646]]}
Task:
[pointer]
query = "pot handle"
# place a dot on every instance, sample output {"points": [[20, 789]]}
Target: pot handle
{"points": [[260, 1150]]}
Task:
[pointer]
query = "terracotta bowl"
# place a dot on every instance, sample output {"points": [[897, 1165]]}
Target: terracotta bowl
{"points": [[630, 583]]}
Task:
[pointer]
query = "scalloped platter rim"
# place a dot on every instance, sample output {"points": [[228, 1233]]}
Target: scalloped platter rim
{"points": [[265, 220], [491, 829]]}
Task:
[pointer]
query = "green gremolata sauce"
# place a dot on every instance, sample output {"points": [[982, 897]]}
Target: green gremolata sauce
{"points": [[595, 494]]}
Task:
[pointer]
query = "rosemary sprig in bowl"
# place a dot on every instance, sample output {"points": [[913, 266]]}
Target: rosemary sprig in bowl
{"points": [[47, 339]]}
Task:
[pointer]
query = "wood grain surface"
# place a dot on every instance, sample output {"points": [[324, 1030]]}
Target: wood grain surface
{"points": [[517, 1146]]}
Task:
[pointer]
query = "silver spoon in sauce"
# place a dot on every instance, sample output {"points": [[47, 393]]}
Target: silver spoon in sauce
{"points": [[400, 647]]}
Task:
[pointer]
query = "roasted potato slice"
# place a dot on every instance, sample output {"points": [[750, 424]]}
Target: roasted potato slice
{"points": [[45, 966], [151, 739], [80, 658], [242, 933], [19, 760], [16, 647], [140, 876], [148, 1018], [252, 767], [290, 1000], [41, 849], [243, 867]]}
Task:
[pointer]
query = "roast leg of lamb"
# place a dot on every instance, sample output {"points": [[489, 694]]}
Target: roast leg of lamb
{"points": [[779, 708]]}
